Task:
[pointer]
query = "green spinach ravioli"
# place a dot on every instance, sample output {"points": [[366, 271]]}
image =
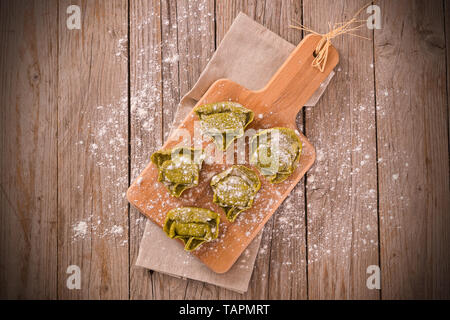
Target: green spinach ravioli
{"points": [[193, 226], [224, 121], [179, 168], [235, 189], [276, 153]]}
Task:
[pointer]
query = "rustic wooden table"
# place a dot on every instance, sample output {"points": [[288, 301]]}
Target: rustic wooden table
{"points": [[82, 110]]}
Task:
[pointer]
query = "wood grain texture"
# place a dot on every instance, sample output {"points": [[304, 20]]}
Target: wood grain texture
{"points": [[93, 150], [196, 43], [170, 63], [281, 93], [28, 100], [447, 49], [412, 117], [341, 188]]}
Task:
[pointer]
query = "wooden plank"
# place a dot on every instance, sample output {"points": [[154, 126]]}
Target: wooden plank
{"points": [[447, 48], [146, 134], [281, 92], [93, 150], [28, 99], [342, 222], [413, 149], [194, 289], [196, 45]]}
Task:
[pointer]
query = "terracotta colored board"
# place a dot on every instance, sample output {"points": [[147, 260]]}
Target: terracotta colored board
{"points": [[281, 93]]}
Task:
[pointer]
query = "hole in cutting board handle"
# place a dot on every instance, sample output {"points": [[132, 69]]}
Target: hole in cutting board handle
{"points": [[314, 54]]}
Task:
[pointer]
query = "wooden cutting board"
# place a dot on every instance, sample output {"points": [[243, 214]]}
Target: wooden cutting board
{"points": [[276, 105]]}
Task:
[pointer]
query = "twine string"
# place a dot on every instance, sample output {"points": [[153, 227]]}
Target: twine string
{"points": [[340, 28]]}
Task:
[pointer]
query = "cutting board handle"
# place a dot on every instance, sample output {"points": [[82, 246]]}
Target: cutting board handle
{"points": [[297, 80]]}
